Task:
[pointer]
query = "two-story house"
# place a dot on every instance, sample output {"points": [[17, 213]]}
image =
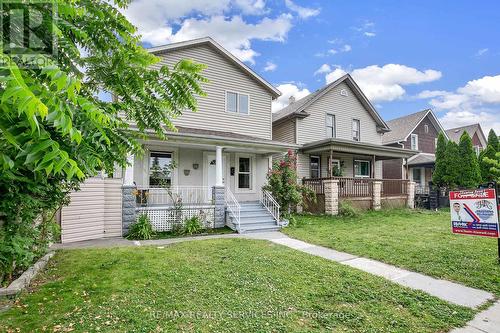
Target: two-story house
{"points": [[418, 132], [339, 133], [476, 133], [213, 167]]}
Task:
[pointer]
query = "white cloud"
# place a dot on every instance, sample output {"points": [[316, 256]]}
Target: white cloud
{"points": [[346, 48], [477, 101], [234, 33], [155, 20], [367, 28], [270, 67], [325, 68], [287, 90], [342, 49], [385, 83], [369, 34], [481, 52], [303, 12]]}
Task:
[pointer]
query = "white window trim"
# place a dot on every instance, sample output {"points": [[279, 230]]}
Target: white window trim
{"points": [[416, 141], [147, 157], [334, 125], [354, 169], [359, 129], [319, 165], [253, 181], [426, 128], [237, 103]]}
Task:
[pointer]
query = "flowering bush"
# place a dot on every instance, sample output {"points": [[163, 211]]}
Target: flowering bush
{"points": [[282, 183]]}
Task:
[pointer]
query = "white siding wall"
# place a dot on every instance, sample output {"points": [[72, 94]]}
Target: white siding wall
{"points": [[224, 75], [345, 109], [285, 131]]}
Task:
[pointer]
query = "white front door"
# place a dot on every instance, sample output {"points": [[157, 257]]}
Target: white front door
{"points": [[210, 171]]}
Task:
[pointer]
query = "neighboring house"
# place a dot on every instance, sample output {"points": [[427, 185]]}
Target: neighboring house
{"points": [[475, 131], [418, 132], [339, 133]]}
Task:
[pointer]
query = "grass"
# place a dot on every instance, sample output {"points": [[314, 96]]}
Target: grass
{"points": [[224, 285], [417, 240]]}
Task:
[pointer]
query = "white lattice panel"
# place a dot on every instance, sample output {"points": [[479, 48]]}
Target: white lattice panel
{"points": [[164, 218]]}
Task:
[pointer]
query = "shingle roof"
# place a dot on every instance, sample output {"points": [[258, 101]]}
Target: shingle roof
{"points": [[422, 158], [298, 107], [401, 127], [455, 133]]}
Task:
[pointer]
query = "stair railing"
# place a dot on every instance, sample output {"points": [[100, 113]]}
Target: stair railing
{"points": [[271, 205], [233, 206]]}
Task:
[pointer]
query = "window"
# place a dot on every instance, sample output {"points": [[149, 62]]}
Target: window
{"points": [[417, 173], [237, 103], [477, 149], [315, 166], [330, 125], [335, 168], [361, 168], [435, 142], [414, 142], [426, 128], [160, 169], [244, 173], [355, 130]]}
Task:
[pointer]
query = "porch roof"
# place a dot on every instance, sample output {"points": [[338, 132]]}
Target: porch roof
{"points": [[196, 136], [355, 147], [422, 159]]}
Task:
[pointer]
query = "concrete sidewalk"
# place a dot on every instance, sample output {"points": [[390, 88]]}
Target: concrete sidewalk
{"points": [[449, 291]]}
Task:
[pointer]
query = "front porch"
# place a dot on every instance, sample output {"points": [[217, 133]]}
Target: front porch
{"points": [[208, 176]]}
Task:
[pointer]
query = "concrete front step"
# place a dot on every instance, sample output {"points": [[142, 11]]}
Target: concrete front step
{"points": [[258, 229]]}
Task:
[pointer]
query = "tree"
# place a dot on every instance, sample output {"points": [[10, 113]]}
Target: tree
{"points": [[493, 140], [452, 162], [282, 183], [469, 174], [440, 168], [494, 164], [55, 131]]}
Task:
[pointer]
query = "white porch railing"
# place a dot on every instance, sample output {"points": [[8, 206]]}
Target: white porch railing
{"points": [[272, 206], [169, 196], [233, 206]]}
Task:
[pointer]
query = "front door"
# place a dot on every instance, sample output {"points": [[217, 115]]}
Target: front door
{"points": [[210, 173]]}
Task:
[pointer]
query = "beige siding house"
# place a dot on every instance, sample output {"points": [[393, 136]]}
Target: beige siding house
{"points": [[339, 133], [217, 160]]}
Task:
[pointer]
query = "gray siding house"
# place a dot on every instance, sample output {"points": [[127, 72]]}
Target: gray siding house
{"points": [[339, 133]]}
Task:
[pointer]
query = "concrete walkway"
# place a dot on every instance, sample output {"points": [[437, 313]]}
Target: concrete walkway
{"points": [[487, 321], [449, 291]]}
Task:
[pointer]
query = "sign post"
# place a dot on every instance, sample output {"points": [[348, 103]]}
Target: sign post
{"points": [[475, 212]]}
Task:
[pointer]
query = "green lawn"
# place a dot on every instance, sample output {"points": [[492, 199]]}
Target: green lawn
{"points": [[224, 285], [418, 240]]}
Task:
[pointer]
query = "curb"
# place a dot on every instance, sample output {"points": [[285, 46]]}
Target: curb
{"points": [[24, 280]]}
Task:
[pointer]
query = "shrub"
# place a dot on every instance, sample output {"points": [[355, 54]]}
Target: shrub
{"points": [[142, 229], [347, 210], [193, 226]]}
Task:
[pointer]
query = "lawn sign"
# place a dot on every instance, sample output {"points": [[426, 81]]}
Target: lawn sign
{"points": [[475, 212]]}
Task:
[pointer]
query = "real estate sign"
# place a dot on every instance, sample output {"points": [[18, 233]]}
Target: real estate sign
{"points": [[474, 212]]}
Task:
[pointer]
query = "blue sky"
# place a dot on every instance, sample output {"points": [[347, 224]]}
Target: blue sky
{"points": [[405, 55]]}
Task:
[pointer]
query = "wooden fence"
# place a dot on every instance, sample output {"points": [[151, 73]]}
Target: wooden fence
{"points": [[359, 187]]}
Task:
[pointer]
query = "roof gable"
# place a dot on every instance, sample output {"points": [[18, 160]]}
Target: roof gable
{"points": [[225, 53], [455, 133], [298, 108], [402, 127]]}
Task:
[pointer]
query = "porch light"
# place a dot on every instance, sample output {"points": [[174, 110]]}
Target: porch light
{"points": [[195, 166], [187, 172]]}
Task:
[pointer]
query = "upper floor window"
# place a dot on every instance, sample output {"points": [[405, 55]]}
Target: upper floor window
{"points": [[330, 125], [355, 129], [426, 128], [237, 103], [477, 149], [160, 169], [414, 142]]}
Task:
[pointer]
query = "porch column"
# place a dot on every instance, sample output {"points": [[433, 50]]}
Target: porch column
{"points": [[219, 191], [411, 195], [218, 166], [331, 188], [376, 195], [128, 196]]}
